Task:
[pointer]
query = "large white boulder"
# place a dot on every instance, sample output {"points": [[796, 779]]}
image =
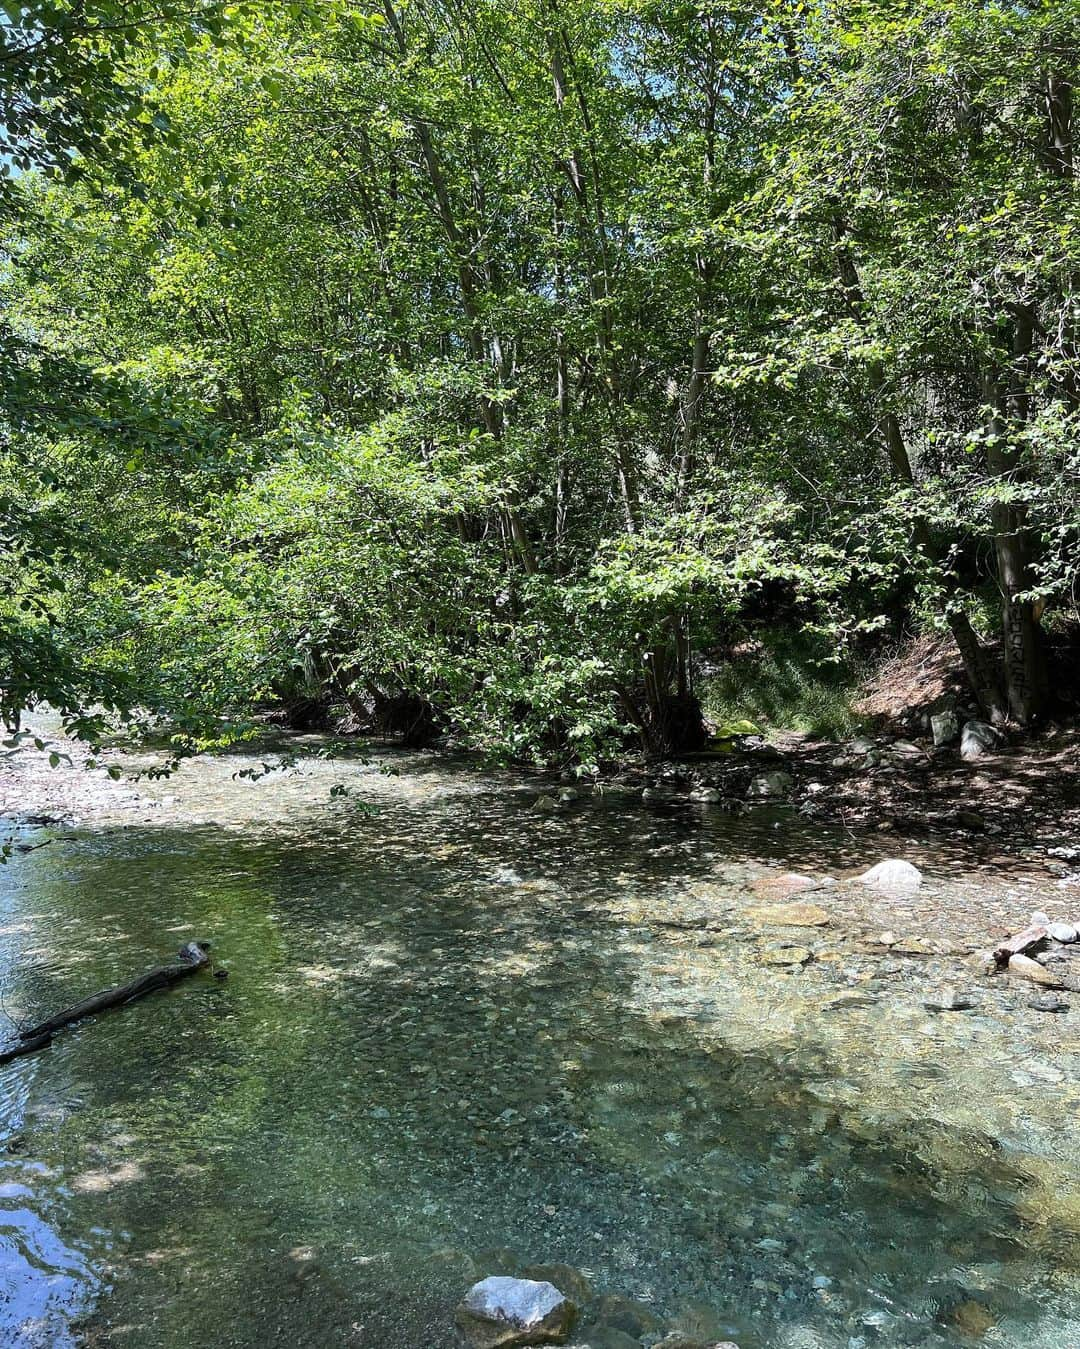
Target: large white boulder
{"points": [[893, 876], [500, 1311]]}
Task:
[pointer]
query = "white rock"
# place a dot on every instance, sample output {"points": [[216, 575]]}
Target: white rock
{"points": [[708, 795], [1063, 932], [979, 738], [945, 728], [501, 1311], [893, 875]]}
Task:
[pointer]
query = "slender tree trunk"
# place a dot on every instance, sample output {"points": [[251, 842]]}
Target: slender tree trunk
{"points": [[463, 248], [691, 412], [1059, 117], [583, 172], [1025, 681], [562, 389], [979, 665], [698, 382]]}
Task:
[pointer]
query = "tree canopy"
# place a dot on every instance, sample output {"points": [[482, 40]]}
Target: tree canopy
{"points": [[477, 366]]}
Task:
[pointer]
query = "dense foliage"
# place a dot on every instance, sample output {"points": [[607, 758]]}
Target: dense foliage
{"points": [[474, 366]]}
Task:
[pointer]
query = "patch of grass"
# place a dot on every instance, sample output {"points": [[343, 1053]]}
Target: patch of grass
{"points": [[785, 684]]}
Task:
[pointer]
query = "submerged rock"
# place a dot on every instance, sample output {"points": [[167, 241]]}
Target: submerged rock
{"points": [[892, 875], [971, 1319], [623, 1313], [608, 1337], [773, 886], [707, 795], [694, 1323], [851, 1000], [1047, 1002], [786, 955], [1023, 967], [791, 915], [769, 785], [545, 803], [503, 1311], [949, 1000]]}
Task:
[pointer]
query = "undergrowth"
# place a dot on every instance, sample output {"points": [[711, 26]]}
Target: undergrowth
{"points": [[786, 684]]}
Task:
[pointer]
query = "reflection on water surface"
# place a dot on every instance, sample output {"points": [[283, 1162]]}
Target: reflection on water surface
{"points": [[455, 1042]]}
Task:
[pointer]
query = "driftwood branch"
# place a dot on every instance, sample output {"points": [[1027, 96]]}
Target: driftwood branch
{"points": [[17, 1050], [193, 957], [1032, 938]]}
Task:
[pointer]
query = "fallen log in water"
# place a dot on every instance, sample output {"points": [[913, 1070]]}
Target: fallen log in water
{"points": [[25, 1047], [193, 957]]}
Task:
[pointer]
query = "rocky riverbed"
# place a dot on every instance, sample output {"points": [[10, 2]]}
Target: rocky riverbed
{"points": [[687, 1054], [1015, 805]]}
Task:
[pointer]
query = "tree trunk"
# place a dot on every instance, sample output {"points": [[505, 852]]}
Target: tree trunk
{"points": [[463, 243], [691, 413], [1025, 680], [980, 668], [672, 723], [979, 665]]}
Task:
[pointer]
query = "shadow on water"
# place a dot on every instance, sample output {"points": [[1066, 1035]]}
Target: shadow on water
{"points": [[432, 1062]]}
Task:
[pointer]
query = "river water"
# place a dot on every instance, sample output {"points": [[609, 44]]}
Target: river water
{"points": [[460, 1036]]}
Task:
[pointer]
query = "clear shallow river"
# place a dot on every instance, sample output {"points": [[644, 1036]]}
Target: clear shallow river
{"points": [[460, 1038]]}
